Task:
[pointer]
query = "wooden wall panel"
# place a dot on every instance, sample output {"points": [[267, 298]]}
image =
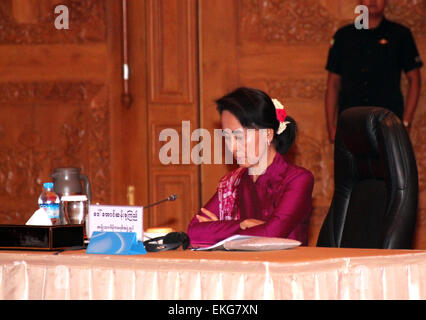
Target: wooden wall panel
{"points": [[218, 75], [49, 62], [170, 51], [173, 97], [281, 47], [57, 91], [178, 213], [60, 100], [130, 146]]}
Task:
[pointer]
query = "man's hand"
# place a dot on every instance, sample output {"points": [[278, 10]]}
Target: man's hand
{"points": [[331, 102], [413, 93]]}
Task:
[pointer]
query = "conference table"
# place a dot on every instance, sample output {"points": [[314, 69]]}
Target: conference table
{"points": [[298, 273]]}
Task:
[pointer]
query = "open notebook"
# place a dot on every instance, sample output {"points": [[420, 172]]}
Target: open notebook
{"points": [[252, 243]]}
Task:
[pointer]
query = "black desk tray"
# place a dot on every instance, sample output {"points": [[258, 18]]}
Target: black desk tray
{"points": [[25, 237]]}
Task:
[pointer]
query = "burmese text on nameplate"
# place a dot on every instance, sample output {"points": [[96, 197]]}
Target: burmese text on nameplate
{"points": [[109, 218]]}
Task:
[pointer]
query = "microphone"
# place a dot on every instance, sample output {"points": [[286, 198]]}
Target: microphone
{"points": [[173, 197]]}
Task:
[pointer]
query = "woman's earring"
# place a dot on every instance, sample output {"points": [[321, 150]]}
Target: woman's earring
{"points": [[269, 142]]}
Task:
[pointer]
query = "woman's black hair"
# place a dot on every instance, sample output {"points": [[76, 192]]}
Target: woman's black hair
{"points": [[255, 110]]}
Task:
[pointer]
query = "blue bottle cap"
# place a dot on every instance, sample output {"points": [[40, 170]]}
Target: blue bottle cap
{"points": [[48, 185]]}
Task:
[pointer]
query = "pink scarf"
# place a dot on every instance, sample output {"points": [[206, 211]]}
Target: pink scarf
{"points": [[227, 193]]}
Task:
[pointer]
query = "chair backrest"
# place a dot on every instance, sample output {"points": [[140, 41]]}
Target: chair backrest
{"points": [[375, 196]]}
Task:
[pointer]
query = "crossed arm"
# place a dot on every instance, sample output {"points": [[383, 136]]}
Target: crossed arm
{"points": [[293, 207]]}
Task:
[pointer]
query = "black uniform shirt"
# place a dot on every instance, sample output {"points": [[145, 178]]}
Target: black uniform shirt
{"points": [[370, 61]]}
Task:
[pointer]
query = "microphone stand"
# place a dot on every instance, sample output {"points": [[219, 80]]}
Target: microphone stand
{"points": [[173, 197]]}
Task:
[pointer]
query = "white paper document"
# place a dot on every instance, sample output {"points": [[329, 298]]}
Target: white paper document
{"points": [[252, 243], [219, 245]]}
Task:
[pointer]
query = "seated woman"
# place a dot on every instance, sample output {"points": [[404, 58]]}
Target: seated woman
{"points": [[266, 195]]}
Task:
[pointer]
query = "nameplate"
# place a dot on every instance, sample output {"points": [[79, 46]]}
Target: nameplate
{"points": [[109, 218], [121, 243]]}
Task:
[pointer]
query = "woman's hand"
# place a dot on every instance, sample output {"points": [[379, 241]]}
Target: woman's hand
{"points": [[211, 216], [249, 223]]}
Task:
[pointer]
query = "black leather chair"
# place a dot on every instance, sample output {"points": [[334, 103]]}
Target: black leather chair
{"points": [[375, 198]]}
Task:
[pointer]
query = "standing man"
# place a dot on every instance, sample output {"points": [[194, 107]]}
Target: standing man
{"points": [[364, 68]]}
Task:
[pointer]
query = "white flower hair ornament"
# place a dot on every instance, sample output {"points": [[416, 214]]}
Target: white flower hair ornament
{"points": [[281, 115]]}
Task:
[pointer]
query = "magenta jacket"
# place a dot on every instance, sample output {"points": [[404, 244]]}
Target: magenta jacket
{"points": [[282, 197]]}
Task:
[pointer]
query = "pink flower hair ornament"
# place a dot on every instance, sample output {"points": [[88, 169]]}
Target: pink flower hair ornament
{"points": [[281, 115]]}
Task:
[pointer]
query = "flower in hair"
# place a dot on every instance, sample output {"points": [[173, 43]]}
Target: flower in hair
{"points": [[281, 115]]}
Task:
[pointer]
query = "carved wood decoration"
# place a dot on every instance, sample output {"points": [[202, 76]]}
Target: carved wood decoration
{"points": [[51, 119], [285, 21], [281, 46], [37, 137], [30, 22]]}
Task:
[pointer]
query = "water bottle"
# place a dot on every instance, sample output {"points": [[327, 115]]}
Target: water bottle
{"points": [[49, 200]]}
